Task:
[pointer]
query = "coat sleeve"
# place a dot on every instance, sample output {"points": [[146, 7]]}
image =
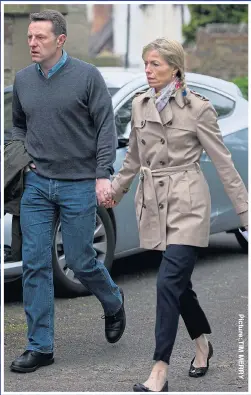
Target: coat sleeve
{"points": [[210, 137], [131, 165]]}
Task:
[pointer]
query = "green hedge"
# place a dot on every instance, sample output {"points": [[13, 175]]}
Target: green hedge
{"points": [[242, 83], [204, 14]]}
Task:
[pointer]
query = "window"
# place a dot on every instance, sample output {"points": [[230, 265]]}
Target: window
{"points": [[222, 104], [112, 91], [123, 120], [7, 116]]}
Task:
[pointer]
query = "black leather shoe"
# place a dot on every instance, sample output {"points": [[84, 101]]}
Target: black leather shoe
{"points": [[115, 324], [30, 361], [141, 388], [201, 371]]}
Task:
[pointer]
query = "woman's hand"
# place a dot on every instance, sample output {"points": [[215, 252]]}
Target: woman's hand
{"points": [[111, 203]]}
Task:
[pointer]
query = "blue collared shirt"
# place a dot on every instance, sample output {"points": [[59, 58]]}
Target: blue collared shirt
{"points": [[56, 67]]}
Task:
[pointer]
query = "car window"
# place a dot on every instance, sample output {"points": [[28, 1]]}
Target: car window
{"points": [[222, 104], [123, 120], [7, 116], [112, 91]]}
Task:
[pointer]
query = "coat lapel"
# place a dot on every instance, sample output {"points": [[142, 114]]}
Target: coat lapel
{"points": [[166, 114], [151, 112]]}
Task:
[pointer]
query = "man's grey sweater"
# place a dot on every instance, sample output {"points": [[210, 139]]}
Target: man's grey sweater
{"points": [[66, 121]]}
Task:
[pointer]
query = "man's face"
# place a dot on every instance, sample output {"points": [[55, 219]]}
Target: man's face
{"points": [[42, 41]]}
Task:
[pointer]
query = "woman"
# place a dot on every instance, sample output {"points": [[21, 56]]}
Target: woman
{"points": [[171, 126]]}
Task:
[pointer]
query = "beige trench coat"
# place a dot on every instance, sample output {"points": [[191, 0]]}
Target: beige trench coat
{"points": [[173, 202]]}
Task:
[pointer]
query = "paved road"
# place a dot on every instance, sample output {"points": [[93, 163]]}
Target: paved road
{"points": [[85, 362]]}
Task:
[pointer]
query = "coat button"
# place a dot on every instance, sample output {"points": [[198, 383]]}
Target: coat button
{"points": [[162, 141], [161, 183], [143, 205], [162, 163], [143, 142], [148, 162], [161, 206]]}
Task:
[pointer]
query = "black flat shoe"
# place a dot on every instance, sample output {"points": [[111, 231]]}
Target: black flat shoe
{"points": [[201, 371], [141, 388], [115, 324], [30, 361]]}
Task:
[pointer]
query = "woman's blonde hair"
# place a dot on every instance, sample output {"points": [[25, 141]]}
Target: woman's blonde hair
{"points": [[173, 53]]}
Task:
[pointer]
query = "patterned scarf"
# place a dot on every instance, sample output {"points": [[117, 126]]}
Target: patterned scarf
{"points": [[163, 96]]}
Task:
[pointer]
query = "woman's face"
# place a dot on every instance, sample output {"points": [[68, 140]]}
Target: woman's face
{"points": [[158, 72]]}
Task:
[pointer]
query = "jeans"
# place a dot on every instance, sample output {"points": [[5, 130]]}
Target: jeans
{"points": [[175, 297], [75, 201]]}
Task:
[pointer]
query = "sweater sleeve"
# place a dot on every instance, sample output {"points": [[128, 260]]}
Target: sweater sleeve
{"points": [[19, 128], [209, 135], [101, 111]]}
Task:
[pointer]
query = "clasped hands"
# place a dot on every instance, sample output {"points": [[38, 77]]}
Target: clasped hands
{"points": [[105, 193]]}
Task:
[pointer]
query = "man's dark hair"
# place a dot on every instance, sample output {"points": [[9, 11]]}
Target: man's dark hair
{"points": [[57, 19]]}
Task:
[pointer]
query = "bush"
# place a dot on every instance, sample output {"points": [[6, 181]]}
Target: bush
{"points": [[204, 14], [242, 83]]}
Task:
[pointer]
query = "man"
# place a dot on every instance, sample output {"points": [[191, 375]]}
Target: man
{"points": [[63, 112]]}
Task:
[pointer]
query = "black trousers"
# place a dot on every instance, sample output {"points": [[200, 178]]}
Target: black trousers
{"points": [[175, 297]]}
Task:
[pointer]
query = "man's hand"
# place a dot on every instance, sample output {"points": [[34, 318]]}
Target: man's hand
{"points": [[104, 191]]}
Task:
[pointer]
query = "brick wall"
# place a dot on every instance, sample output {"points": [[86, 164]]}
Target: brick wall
{"points": [[221, 50]]}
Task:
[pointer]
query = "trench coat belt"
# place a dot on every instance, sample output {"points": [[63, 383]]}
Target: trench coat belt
{"points": [[147, 194]]}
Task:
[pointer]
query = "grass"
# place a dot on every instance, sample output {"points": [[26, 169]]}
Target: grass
{"points": [[242, 83]]}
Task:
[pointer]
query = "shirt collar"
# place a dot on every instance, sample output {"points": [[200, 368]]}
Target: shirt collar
{"points": [[56, 67]]}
